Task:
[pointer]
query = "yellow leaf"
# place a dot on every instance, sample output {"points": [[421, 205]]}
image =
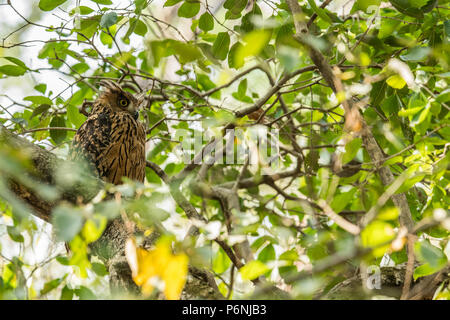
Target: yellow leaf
{"points": [[396, 81], [79, 258], [175, 276], [158, 263], [253, 270], [255, 42], [375, 235], [93, 228], [341, 96], [390, 213], [364, 59]]}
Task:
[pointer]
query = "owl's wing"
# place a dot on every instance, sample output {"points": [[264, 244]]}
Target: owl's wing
{"points": [[125, 154], [91, 141]]}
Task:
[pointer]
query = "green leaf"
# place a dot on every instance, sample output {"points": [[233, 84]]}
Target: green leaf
{"points": [[341, 200], [428, 253], [262, 240], [364, 5], [267, 254], [242, 88], [221, 262], [99, 269], [16, 62], [106, 2], [423, 270], [38, 100], [290, 255], [185, 51], [51, 285], [390, 106], [140, 28], [189, 9], [447, 31], [435, 108], [48, 5], [418, 3], [66, 293], [409, 183], [67, 222], [106, 39], [63, 260], [14, 234], [51, 50], [409, 112], [58, 135], [416, 54], [108, 209], [421, 117], [206, 22], [431, 4], [88, 27], [74, 116], [108, 19], [221, 46], [140, 5], [444, 96], [232, 55], [432, 257], [240, 95], [85, 293], [170, 3], [13, 71], [351, 149], [320, 12], [42, 87], [80, 256], [83, 10], [235, 8], [220, 117], [253, 270], [387, 27], [414, 8], [40, 109], [82, 67]]}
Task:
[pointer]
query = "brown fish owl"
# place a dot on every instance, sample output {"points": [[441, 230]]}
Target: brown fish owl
{"points": [[112, 139]]}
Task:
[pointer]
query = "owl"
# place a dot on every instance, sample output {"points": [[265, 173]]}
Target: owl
{"points": [[112, 140]]}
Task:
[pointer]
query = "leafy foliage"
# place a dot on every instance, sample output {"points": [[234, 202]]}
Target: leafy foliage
{"points": [[238, 67]]}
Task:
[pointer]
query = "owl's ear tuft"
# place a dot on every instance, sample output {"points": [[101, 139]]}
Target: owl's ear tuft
{"points": [[111, 85]]}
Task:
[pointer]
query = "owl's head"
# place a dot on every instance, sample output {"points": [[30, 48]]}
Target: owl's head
{"points": [[118, 99]]}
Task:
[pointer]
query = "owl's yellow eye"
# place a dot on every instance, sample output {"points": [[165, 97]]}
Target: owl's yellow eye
{"points": [[123, 102]]}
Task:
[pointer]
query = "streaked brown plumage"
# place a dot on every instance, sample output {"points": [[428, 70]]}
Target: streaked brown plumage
{"points": [[111, 139]]}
